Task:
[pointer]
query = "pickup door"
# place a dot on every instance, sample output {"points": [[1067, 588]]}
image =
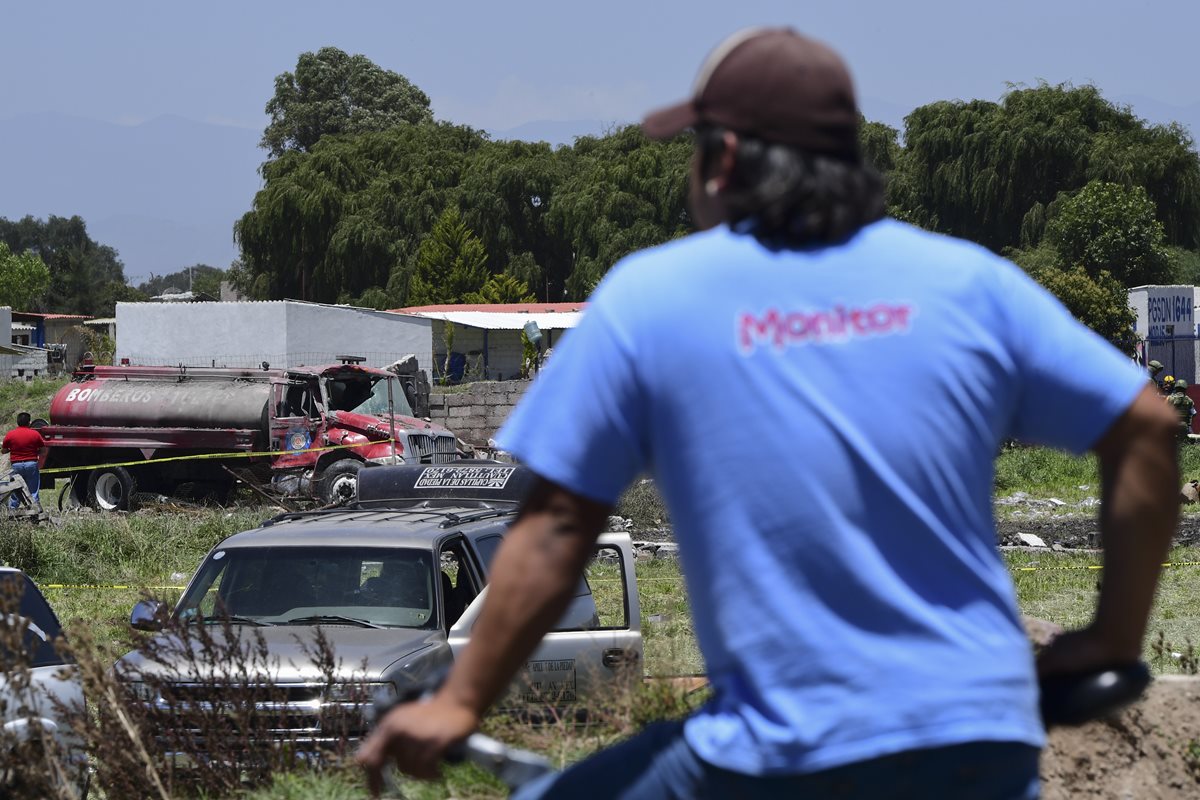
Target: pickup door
{"points": [[595, 651]]}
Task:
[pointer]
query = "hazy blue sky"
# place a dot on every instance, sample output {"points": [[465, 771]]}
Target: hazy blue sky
{"points": [[497, 65], [165, 191]]}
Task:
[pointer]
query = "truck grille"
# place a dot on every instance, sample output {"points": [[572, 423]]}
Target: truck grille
{"points": [[432, 449], [191, 716]]}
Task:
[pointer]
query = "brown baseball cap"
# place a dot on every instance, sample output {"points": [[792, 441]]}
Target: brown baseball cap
{"points": [[775, 84]]}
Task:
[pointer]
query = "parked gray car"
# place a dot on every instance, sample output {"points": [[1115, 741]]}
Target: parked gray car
{"points": [[35, 706], [395, 585]]}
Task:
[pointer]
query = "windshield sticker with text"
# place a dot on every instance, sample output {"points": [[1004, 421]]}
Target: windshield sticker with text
{"points": [[464, 477]]}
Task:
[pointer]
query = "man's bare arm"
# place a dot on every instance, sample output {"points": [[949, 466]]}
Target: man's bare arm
{"points": [[1139, 474], [533, 579]]}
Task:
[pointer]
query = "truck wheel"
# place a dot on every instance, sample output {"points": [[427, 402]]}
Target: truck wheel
{"points": [[339, 484], [111, 489]]}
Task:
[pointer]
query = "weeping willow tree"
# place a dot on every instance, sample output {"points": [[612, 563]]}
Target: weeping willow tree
{"points": [[991, 172], [344, 217]]}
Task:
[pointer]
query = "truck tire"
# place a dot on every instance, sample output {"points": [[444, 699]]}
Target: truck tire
{"points": [[339, 484], [111, 489]]}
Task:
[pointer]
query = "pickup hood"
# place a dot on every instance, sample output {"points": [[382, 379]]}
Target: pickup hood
{"points": [[364, 653], [363, 422]]}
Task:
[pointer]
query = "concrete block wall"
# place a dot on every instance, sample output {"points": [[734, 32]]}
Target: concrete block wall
{"points": [[477, 410]]}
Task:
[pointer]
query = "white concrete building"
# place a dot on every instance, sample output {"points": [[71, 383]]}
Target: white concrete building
{"points": [[1166, 322], [283, 333]]}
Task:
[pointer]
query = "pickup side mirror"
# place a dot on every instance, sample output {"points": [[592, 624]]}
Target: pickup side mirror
{"points": [[148, 615]]}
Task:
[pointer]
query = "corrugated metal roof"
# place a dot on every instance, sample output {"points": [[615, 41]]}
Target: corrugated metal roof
{"points": [[503, 321], [503, 308], [49, 316]]}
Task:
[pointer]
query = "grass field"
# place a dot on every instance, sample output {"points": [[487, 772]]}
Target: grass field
{"points": [[1050, 473], [32, 396], [161, 549]]}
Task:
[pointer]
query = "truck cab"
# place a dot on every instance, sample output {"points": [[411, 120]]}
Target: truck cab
{"points": [[302, 432]]}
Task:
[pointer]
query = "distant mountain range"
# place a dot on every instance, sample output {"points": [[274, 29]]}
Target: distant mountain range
{"points": [[166, 193]]}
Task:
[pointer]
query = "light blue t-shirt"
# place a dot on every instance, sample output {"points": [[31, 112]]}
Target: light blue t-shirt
{"points": [[822, 424]]}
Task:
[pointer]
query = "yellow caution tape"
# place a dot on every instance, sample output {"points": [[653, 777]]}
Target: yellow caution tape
{"points": [[207, 456], [1097, 566]]}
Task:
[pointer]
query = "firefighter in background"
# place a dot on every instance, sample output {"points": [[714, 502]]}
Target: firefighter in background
{"points": [[1153, 370], [1184, 406], [1167, 385]]}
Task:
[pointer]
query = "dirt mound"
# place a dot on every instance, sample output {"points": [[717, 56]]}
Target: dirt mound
{"points": [[1078, 530], [1150, 752]]}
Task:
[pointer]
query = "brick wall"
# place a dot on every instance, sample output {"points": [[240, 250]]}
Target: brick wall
{"points": [[477, 410]]}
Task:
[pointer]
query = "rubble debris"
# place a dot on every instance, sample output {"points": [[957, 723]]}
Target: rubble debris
{"points": [[647, 551], [1031, 540]]}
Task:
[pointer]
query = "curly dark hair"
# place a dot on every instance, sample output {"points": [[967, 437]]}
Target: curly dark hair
{"points": [[794, 198]]}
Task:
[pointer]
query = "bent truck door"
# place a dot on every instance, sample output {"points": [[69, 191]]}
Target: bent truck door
{"points": [[296, 420], [596, 647]]}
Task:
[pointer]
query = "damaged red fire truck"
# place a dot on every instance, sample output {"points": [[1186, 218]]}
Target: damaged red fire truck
{"points": [[301, 432]]}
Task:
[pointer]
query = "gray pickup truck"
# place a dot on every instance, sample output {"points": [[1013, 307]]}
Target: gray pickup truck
{"points": [[395, 584], [39, 691]]}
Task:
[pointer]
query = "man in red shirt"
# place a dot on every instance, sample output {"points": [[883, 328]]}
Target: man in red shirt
{"points": [[23, 445]]}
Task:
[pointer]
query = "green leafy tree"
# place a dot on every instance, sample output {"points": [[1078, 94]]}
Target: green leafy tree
{"points": [[350, 214], [200, 278], [113, 292], [24, 278], [989, 172], [1035, 259], [622, 192], [451, 263], [1107, 227], [376, 297], [332, 92], [1184, 265], [1098, 301], [507, 192], [81, 269], [879, 144], [502, 288]]}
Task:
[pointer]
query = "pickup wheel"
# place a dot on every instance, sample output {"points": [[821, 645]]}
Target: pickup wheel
{"points": [[339, 484], [111, 489]]}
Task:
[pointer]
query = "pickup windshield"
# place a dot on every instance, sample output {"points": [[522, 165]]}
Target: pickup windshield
{"points": [[367, 396], [365, 586]]}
